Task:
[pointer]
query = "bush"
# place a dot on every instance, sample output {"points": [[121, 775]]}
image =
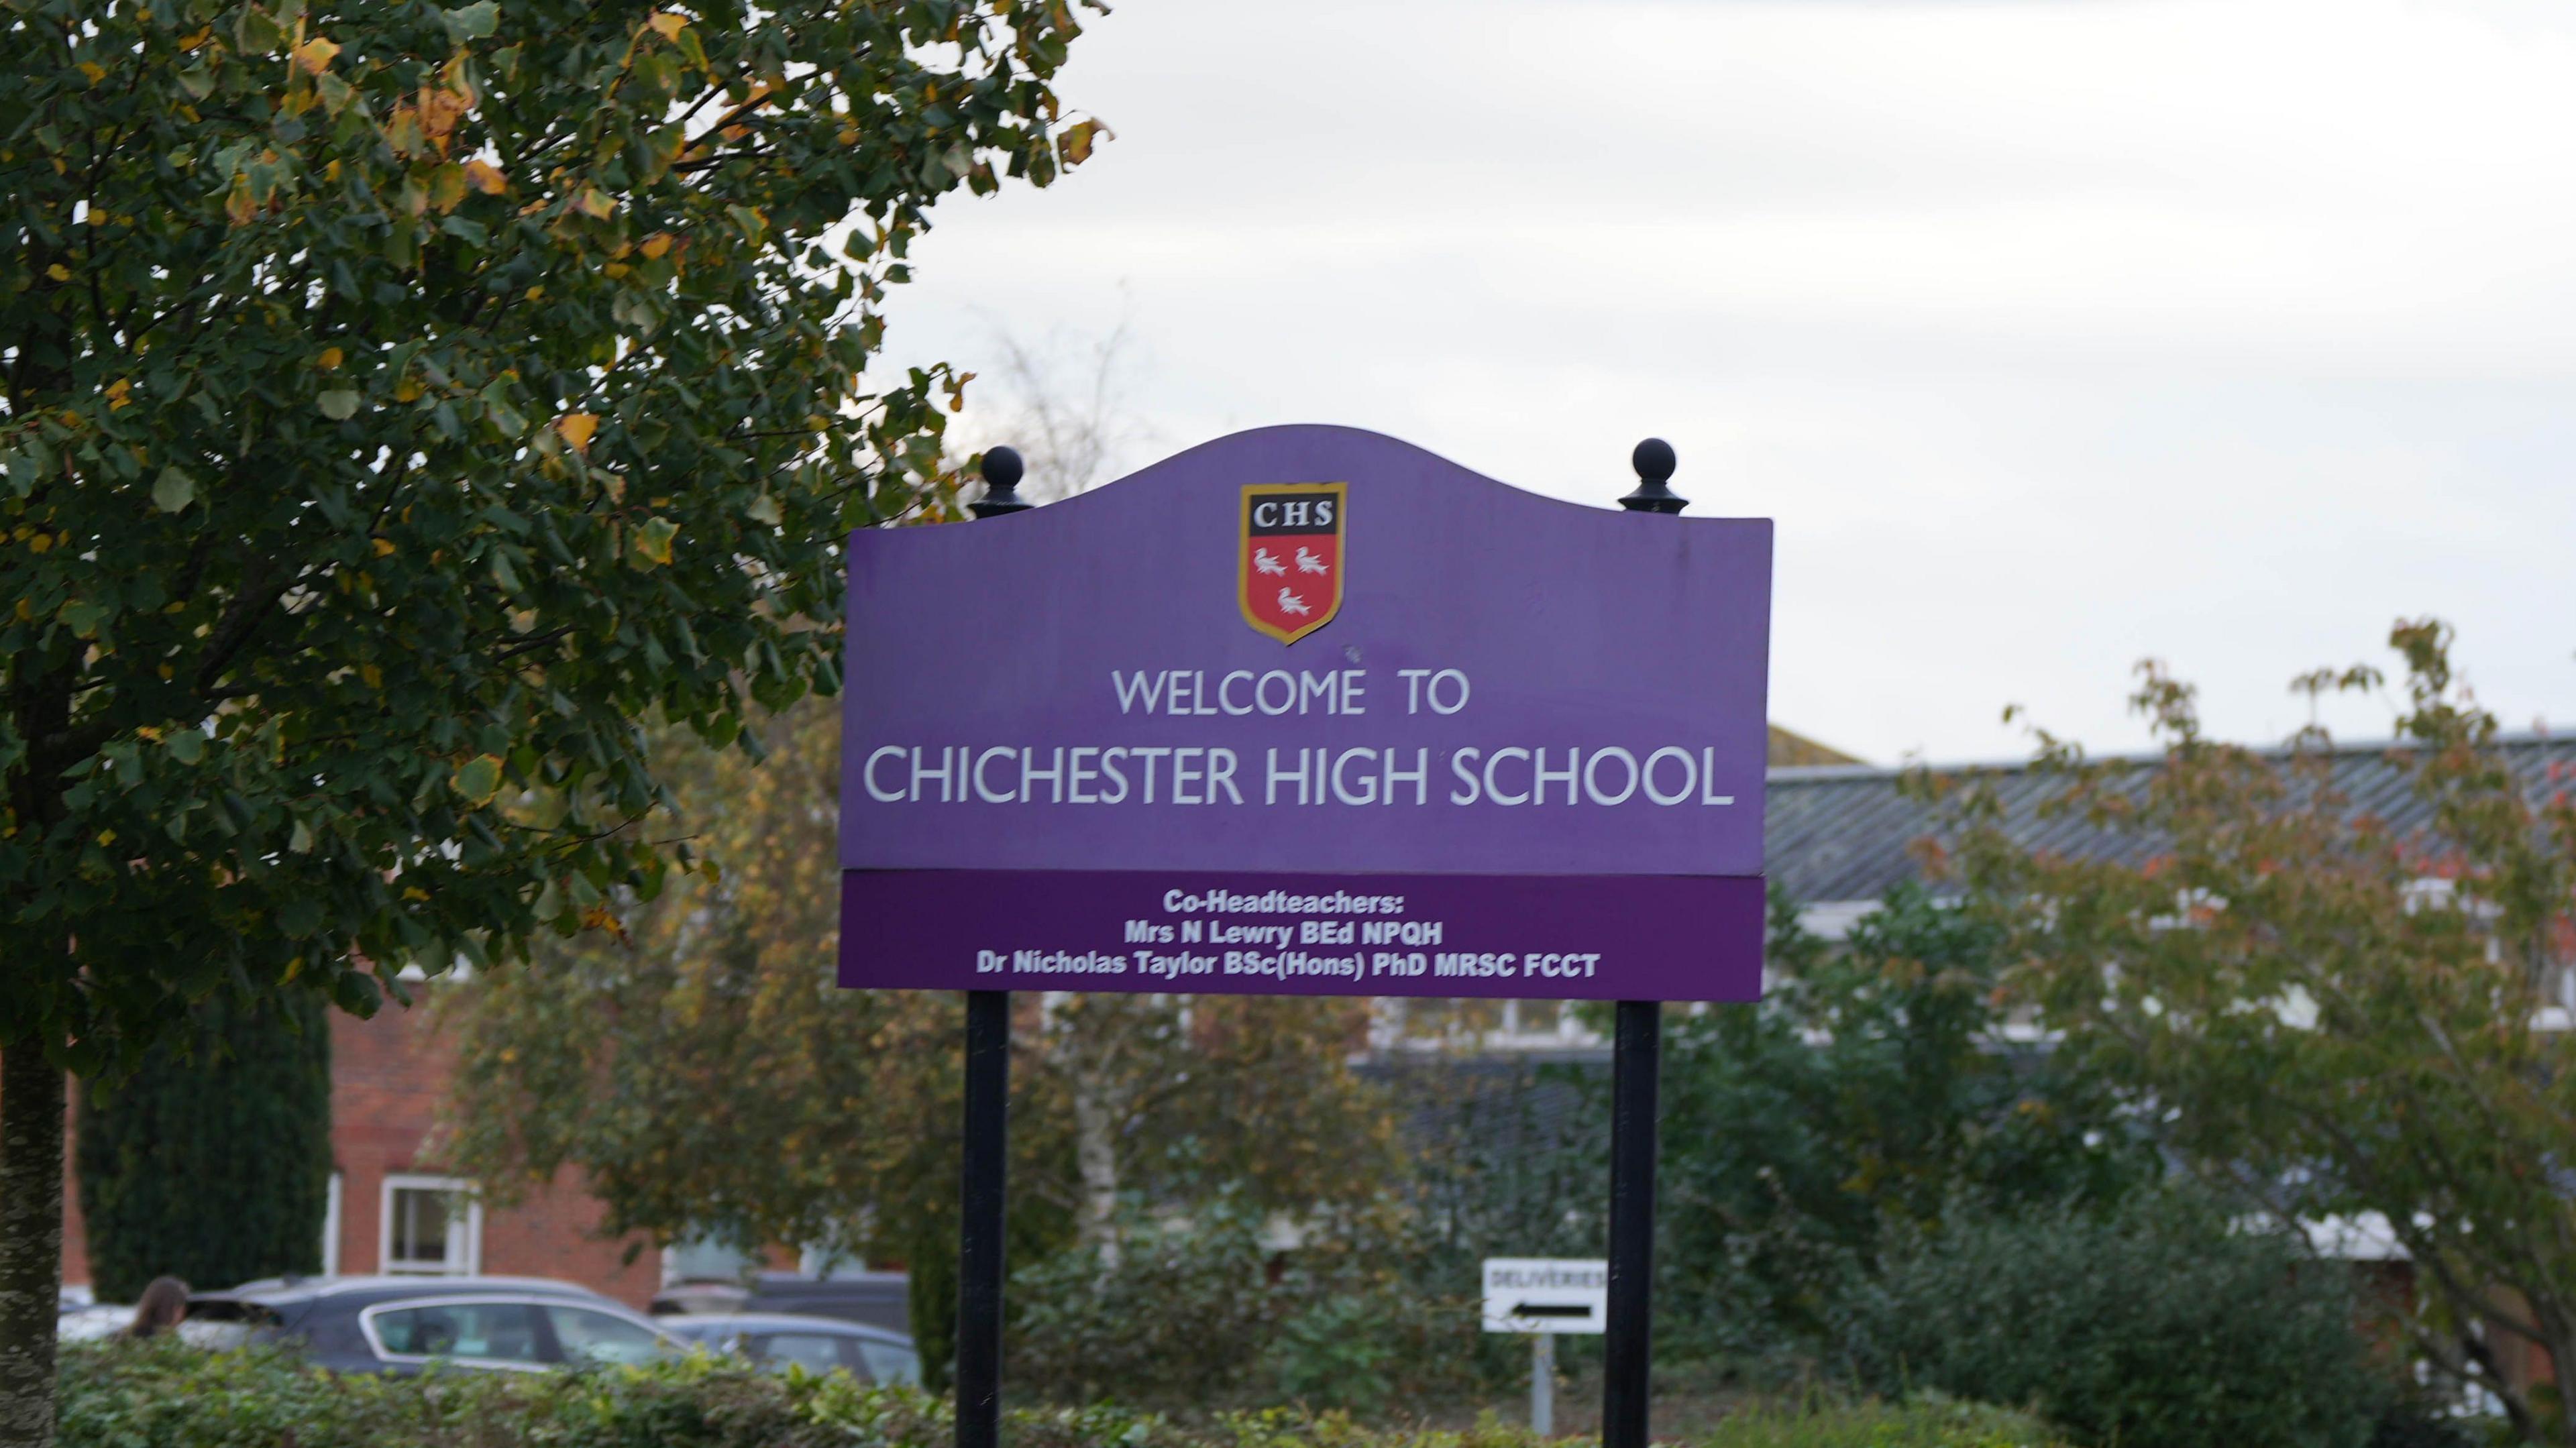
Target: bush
{"points": [[1207, 1314], [2156, 1327], [165, 1395], [213, 1161]]}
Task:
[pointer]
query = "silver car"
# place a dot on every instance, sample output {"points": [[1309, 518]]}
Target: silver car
{"points": [[779, 1340], [403, 1324]]}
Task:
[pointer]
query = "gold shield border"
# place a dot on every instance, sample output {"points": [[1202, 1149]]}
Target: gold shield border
{"points": [[1243, 561]]}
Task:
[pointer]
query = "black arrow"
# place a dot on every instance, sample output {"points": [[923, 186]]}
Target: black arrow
{"points": [[1550, 1309]]}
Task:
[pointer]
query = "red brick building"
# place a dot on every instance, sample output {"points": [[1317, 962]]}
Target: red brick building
{"points": [[394, 1209]]}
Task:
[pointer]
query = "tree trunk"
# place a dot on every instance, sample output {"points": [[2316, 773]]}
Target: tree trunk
{"points": [[1095, 1152], [31, 1241]]}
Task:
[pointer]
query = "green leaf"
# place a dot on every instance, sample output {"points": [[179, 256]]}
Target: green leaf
{"points": [[357, 992], [653, 539], [477, 779], [186, 746], [472, 22], [339, 404], [173, 491], [83, 617]]}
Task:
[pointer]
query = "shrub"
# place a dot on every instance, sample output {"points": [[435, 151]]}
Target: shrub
{"points": [[166, 1395], [1209, 1314], [2155, 1327], [213, 1161]]}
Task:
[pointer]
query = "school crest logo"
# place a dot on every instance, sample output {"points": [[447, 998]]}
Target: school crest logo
{"points": [[1290, 563]]}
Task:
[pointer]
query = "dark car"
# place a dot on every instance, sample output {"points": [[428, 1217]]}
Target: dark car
{"points": [[403, 1324], [877, 1299], [779, 1340]]}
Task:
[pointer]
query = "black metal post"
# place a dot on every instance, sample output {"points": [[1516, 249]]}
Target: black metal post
{"points": [[979, 1256], [987, 1137], [1635, 1066]]}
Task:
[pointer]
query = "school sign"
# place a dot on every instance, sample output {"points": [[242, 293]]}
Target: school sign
{"points": [[1308, 710]]}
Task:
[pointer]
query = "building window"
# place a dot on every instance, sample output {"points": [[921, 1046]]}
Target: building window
{"points": [[433, 1227]]}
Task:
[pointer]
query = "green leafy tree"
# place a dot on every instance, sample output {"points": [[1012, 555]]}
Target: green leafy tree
{"points": [[1874, 1087], [2333, 1015], [398, 402], [707, 1077], [212, 1161]]}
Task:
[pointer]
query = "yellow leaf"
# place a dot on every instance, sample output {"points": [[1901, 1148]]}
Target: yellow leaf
{"points": [[447, 187], [407, 390], [95, 71], [667, 23], [1077, 141], [191, 42], [653, 539], [331, 359], [116, 391], [384, 548], [656, 244], [374, 676], [314, 55], [59, 272], [485, 177], [576, 428], [595, 203]]}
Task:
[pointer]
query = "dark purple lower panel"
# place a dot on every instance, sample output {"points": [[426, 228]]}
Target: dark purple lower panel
{"points": [[1526, 937]]}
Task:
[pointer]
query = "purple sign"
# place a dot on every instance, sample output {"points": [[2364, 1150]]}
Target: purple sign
{"points": [[1308, 710]]}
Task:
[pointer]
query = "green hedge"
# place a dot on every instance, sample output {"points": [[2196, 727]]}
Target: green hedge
{"points": [[126, 1395]]}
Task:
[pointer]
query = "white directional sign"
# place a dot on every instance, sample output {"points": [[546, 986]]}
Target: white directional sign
{"points": [[1546, 1294]]}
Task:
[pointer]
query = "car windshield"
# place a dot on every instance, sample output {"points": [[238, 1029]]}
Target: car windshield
{"points": [[589, 1336], [890, 1363]]}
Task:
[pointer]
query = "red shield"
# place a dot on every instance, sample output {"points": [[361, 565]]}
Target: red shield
{"points": [[1290, 562]]}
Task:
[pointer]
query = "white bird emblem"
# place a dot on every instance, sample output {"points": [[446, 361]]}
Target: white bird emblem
{"points": [[1291, 603], [1309, 563], [1262, 562]]}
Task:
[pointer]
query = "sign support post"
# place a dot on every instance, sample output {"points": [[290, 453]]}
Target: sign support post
{"points": [[1543, 1384], [987, 1153], [1635, 1064]]}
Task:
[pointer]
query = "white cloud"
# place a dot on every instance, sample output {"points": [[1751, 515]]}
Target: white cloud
{"points": [[2053, 333]]}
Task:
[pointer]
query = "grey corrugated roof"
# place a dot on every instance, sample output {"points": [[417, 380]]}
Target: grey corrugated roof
{"points": [[1847, 832]]}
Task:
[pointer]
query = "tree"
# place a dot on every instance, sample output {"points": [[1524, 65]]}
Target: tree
{"points": [[708, 1078], [400, 402], [1873, 1089], [2331, 1014], [212, 1161]]}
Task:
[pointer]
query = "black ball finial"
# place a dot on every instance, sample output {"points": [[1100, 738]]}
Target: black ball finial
{"points": [[1002, 468], [1653, 459]]}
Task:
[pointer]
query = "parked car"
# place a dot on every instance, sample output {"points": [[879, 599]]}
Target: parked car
{"points": [[876, 1299], [403, 1324], [776, 1340], [89, 1322]]}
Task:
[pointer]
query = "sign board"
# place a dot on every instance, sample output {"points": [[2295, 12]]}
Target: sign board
{"points": [[1546, 1294], [1308, 710]]}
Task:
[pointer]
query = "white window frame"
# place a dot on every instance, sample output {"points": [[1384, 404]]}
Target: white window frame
{"points": [[331, 1220], [464, 1257]]}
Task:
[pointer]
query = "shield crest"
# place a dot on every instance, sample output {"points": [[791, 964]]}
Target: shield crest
{"points": [[1290, 555]]}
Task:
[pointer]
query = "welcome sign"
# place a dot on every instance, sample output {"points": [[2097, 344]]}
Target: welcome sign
{"points": [[1308, 710]]}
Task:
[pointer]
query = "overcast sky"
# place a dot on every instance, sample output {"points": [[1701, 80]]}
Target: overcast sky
{"points": [[2054, 333]]}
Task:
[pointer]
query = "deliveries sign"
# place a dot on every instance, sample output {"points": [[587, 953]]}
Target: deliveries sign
{"points": [[1308, 710]]}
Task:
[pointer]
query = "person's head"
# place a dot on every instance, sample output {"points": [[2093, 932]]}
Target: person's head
{"points": [[160, 1308]]}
